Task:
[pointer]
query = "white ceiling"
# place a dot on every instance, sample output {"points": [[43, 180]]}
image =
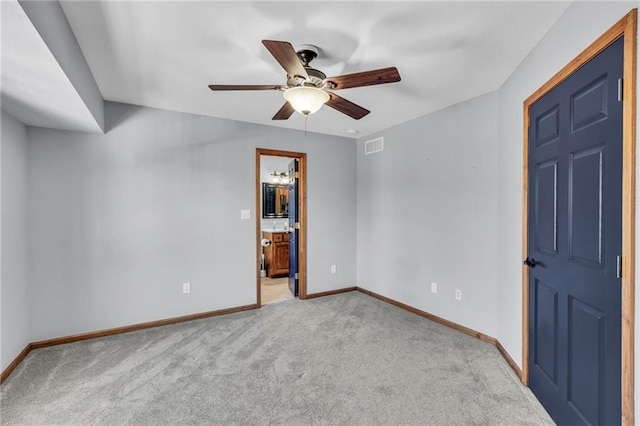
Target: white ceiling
{"points": [[163, 54]]}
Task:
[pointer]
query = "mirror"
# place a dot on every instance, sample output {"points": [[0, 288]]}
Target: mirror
{"points": [[275, 201]]}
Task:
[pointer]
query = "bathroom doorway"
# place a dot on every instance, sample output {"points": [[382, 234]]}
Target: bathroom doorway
{"points": [[273, 226]]}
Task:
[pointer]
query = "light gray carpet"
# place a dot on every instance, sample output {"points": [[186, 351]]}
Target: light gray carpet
{"points": [[347, 359]]}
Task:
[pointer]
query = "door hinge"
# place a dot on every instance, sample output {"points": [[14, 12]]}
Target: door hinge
{"points": [[296, 225], [296, 175], [619, 267], [619, 90], [296, 276]]}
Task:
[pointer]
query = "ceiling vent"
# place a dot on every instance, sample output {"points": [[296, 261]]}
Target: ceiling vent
{"points": [[374, 145]]}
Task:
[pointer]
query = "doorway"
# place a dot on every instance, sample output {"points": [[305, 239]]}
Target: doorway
{"points": [[578, 212], [275, 226]]}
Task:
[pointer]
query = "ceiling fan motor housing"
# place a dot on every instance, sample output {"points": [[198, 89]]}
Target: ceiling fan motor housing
{"points": [[306, 53], [316, 79]]}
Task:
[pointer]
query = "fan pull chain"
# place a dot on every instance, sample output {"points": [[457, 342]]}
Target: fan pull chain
{"points": [[305, 124]]}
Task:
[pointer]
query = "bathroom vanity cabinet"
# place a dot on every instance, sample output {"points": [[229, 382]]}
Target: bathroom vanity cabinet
{"points": [[276, 255]]}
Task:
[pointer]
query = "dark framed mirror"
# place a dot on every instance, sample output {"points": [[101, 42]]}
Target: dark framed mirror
{"points": [[275, 201]]}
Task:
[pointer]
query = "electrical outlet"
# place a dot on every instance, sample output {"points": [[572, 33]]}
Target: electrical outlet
{"points": [[458, 294], [333, 269], [186, 288], [434, 287]]}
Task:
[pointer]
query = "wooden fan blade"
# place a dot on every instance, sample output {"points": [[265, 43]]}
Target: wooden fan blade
{"points": [[244, 87], [286, 57], [366, 78], [284, 113], [346, 107]]}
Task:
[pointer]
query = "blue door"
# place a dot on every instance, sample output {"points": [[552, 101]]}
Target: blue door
{"points": [[575, 239], [293, 227]]}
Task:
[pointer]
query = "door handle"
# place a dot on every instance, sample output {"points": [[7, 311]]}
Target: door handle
{"points": [[530, 262]]}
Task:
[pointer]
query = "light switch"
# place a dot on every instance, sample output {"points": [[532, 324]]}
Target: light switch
{"points": [[245, 214]]}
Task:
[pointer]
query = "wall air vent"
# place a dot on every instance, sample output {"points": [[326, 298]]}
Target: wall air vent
{"points": [[374, 145]]}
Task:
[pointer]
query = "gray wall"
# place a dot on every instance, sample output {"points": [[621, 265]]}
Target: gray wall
{"points": [[119, 221], [565, 40], [15, 308], [427, 208]]}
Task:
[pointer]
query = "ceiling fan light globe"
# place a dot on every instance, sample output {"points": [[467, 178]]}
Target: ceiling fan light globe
{"points": [[306, 100]]}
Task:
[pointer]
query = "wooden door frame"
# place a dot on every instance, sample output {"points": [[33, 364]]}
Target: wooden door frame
{"points": [[302, 219], [627, 28]]}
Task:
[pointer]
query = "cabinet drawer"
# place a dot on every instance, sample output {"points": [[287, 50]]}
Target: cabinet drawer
{"points": [[278, 237]]}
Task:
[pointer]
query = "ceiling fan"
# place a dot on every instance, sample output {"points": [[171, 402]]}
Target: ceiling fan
{"points": [[307, 88]]}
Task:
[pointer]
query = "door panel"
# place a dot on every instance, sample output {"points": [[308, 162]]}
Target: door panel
{"points": [[586, 329], [293, 231], [575, 235], [548, 126], [547, 207], [281, 254], [585, 215], [546, 332], [589, 104]]}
